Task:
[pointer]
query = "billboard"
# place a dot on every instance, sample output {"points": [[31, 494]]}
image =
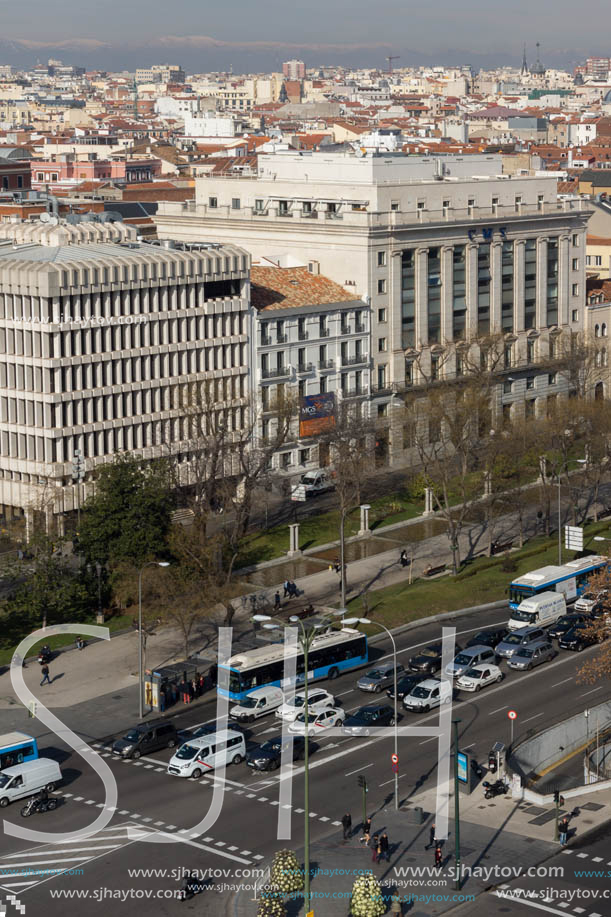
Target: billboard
{"points": [[316, 414], [463, 771]]}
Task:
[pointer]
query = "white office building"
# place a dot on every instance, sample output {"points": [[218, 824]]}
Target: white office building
{"points": [[100, 345], [444, 248]]}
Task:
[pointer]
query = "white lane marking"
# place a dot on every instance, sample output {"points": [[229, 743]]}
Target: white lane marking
{"points": [[498, 710], [528, 902], [350, 773], [350, 691], [12, 856], [432, 739], [600, 687], [386, 782], [562, 682], [528, 718]]}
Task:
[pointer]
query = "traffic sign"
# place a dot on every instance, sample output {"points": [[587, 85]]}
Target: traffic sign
{"points": [[395, 768], [573, 538], [298, 494], [394, 759], [512, 714]]}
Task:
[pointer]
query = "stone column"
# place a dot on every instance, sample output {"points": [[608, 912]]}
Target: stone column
{"points": [[518, 286], [421, 306], [294, 539], [541, 321], [428, 501], [364, 528], [471, 289], [495, 287], [564, 279], [447, 274]]}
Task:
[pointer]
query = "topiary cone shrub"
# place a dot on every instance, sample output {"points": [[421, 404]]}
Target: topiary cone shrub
{"points": [[366, 899], [286, 873], [270, 902]]}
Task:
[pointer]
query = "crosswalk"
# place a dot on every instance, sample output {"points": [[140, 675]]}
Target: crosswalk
{"points": [[10, 906], [21, 871]]}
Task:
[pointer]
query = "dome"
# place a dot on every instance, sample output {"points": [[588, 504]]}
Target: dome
{"points": [[578, 81], [607, 97]]}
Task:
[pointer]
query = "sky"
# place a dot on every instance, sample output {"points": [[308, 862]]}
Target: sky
{"points": [[257, 35]]}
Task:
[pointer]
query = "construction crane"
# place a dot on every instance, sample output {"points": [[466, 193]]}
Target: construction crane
{"points": [[390, 59]]}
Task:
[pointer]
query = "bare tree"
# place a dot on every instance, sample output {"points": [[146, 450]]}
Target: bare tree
{"points": [[582, 360], [598, 667]]}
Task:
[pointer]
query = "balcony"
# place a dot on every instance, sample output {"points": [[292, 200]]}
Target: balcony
{"points": [[304, 368], [309, 214], [278, 373], [355, 392], [259, 213], [281, 339], [302, 335], [359, 328], [331, 215], [358, 360], [325, 365], [345, 329], [323, 332], [284, 213], [266, 340]]}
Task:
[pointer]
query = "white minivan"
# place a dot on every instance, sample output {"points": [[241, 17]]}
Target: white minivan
{"points": [[197, 756], [257, 703], [541, 610], [28, 778]]}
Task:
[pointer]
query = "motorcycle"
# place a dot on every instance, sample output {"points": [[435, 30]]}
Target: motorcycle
{"points": [[193, 886], [44, 654], [499, 788], [477, 769], [38, 805]]}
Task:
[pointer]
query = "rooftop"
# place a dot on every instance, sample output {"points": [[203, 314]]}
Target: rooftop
{"points": [[288, 288]]}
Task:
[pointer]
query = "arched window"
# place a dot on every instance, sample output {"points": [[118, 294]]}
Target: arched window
{"points": [[603, 330], [596, 331], [604, 355]]}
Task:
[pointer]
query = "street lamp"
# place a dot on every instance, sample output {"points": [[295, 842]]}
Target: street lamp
{"points": [[151, 563], [305, 639], [394, 656]]}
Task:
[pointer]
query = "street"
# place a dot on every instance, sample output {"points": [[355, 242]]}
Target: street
{"points": [[243, 838]]}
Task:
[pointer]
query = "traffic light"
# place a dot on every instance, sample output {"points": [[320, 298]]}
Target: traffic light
{"points": [[557, 797], [362, 783]]}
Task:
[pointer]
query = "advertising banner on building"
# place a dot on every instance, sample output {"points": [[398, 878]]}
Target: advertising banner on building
{"points": [[316, 414]]}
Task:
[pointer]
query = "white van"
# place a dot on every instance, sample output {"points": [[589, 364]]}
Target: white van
{"points": [[197, 756], [541, 610], [427, 694], [257, 703], [28, 778], [315, 482]]}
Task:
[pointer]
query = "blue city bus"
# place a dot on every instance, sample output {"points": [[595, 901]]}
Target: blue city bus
{"points": [[330, 654], [570, 578], [15, 748]]}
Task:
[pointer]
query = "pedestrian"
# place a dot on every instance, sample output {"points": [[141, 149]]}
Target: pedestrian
{"points": [[213, 674], [367, 826], [563, 830], [375, 848], [395, 905], [438, 856], [347, 825], [293, 590], [432, 839], [384, 847], [287, 588], [161, 700], [45, 675], [194, 688], [202, 684], [403, 558], [277, 602]]}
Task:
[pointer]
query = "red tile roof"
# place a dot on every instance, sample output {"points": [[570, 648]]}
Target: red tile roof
{"points": [[289, 287]]}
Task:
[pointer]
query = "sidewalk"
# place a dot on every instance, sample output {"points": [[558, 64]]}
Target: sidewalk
{"points": [[495, 836]]}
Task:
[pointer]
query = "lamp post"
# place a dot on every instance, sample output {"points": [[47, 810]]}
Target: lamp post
{"points": [[151, 563], [394, 657], [456, 808], [305, 639]]}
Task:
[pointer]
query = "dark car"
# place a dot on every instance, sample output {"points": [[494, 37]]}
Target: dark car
{"points": [[266, 757], [405, 685], [565, 623], [490, 637], [429, 660], [367, 718], [577, 638], [143, 739]]}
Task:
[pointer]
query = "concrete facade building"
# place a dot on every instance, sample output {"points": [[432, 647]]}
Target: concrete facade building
{"points": [[100, 345], [444, 248], [294, 70]]}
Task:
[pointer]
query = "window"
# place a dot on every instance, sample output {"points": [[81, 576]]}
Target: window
{"points": [[382, 347], [598, 260], [575, 240], [421, 205], [495, 202], [553, 348], [382, 376], [588, 260], [382, 316], [381, 259], [54, 176], [381, 285], [20, 181], [507, 356], [603, 330], [213, 202], [596, 331], [285, 460], [507, 388], [507, 414], [518, 202], [259, 204], [409, 372], [575, 264], [382, 410], [530, 351], [540, 198], [552, 378], [445, 205], [460, 364], [575, 315], [434, 368], [323, 384], [471, 203], [530, 382], [283, 208], [575, 289], [235, 203], [304, 456], [529, 408], [394, 205]]}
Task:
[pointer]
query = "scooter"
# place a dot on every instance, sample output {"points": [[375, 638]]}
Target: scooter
{"points": [[44, 654], [38, 805], [477, 769], [499, 788]]}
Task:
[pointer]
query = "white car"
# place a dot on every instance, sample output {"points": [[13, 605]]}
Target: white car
{"points": [[318, 722], [477, 677], [318, 699], [427, 694]]}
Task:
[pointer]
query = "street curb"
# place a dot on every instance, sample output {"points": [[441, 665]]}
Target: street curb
{"points": [[433, 619]]}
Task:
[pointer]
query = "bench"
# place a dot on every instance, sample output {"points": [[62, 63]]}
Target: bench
{"points": [[433, 571], [498, 548]]}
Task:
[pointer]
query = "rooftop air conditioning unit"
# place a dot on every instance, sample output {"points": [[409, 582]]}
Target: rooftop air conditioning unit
{"points": [[314, 267]]}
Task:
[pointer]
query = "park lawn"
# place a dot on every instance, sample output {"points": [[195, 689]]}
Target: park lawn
{"points": [[482, 581]]}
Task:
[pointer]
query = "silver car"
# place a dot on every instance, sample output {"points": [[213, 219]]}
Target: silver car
{"points": [[527, 657], [466, 659], [382, 676], [524, 636]]}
